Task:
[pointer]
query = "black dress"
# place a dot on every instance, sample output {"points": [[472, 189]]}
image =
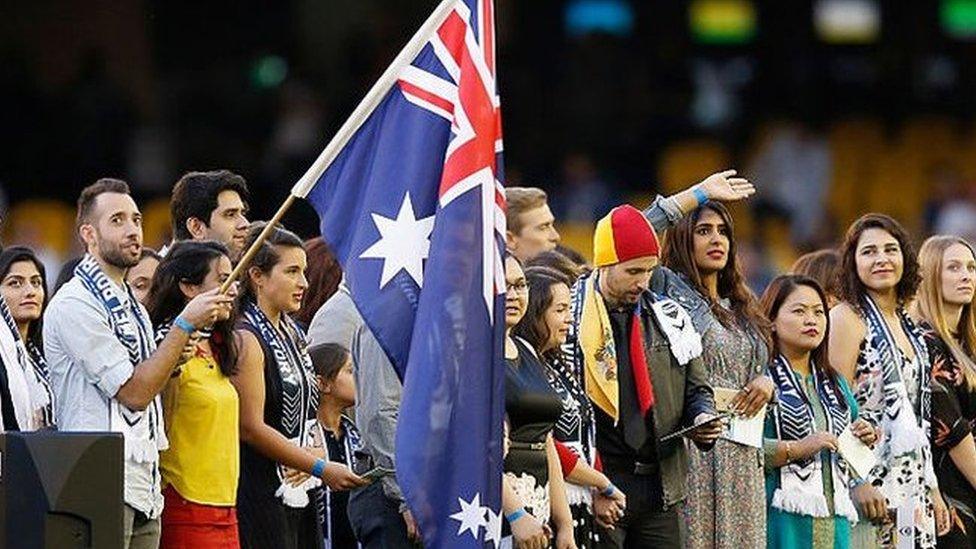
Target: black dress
{"points": [[532, 409], [263, 520], [953, 413]]}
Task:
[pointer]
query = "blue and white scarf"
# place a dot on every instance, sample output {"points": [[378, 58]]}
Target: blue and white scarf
{"points": [[801, 482], [27, 390], [905, 424], [352, 443], [299, 399], [43, 377], [143, 430], [908, 423]]}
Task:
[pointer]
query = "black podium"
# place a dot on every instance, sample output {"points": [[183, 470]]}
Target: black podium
{"points": [[61, 490]]}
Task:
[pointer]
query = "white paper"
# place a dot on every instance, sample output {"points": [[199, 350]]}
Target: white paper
{"points": [[742, 430], [747, 430], [857, 454]]}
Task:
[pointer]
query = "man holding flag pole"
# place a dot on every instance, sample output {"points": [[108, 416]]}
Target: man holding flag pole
{"points": [[410, 199]]}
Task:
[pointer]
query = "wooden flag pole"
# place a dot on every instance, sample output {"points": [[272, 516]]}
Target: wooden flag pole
{"points": [[249, 255]]}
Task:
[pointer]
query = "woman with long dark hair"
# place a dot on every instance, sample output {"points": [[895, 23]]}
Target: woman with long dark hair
{"points": [[883, 354], [945, 309], [201, 465], [726, 487], [140, 276], [533, 492], [545, 326], [281, 470], [807, 485], [23, 285]]}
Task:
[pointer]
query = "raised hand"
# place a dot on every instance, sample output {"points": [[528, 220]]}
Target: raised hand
{"points": [[727, 187]]}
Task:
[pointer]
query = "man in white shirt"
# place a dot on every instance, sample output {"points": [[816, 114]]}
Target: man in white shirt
{"points": [[106, 371]]}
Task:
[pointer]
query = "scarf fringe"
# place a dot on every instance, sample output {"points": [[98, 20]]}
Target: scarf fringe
{"points": [[142, 451], [296, 497], [844, 507], [578, 495], [800, 503]]}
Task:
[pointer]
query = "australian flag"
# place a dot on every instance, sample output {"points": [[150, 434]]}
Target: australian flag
{"points": [[410, 200]]}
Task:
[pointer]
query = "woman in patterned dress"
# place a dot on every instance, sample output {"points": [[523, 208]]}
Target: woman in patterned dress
{"points": [[545, 326], [882, 353], [726, 487], [945, 310]]}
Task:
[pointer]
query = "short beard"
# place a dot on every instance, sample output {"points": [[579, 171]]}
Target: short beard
{"points": [[113, 255]]}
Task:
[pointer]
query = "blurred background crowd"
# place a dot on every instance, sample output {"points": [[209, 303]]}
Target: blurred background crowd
{"points": [[831, 107]]}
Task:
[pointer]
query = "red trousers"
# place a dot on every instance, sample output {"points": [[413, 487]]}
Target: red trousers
{"points": [[188, 525]]}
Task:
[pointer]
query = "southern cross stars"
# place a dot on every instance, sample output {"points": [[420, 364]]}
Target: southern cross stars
{"points": [[473, 517], [403, 245]]}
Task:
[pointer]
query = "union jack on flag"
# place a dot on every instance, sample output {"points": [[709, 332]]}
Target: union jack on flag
{"points": [[410, 200]]}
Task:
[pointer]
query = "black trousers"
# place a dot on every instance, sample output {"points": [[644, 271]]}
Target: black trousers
{"points": [[646, 522], [376, 520]]}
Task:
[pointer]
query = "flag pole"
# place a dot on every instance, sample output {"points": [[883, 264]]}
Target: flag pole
{"points": [[355, 120], [249, 255]]}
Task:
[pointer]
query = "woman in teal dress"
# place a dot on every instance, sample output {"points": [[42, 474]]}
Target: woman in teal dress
{"points": [[807, 484]]}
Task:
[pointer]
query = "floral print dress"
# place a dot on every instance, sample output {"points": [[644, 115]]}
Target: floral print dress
{"points": [[953, 414], [726, 504], [904, 477]]}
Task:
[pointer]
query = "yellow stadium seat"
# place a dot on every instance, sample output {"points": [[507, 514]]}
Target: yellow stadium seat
{"points": [[50, 221], [157, 228], [687, 162], [578, 236]]}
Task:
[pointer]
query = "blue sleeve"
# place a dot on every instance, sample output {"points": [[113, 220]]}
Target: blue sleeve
{"points": [[663, 213]]}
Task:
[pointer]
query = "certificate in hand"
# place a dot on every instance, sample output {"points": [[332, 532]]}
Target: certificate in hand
{"points": [[685, 430], [857, 454], [747, 431]]}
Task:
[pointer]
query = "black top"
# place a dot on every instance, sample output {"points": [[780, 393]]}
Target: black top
{"points": [[6, 402], [259, 475], [341, 449], [610, 439], [953, 414], [532, 408]]}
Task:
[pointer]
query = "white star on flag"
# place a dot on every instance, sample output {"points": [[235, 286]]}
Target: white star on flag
{"points": [[403, 245], [493, 528], [471, 516]]}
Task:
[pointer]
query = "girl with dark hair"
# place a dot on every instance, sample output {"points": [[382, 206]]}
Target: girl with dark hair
{"points": [[24, 289], [140, 276], [807, 500], [883, 353], [824, 267], [200, 467], [701, 272], [279, 403], [340, 438], [946, 311], [545, 326]]}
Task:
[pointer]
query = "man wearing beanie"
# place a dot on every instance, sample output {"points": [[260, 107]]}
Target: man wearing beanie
{"points": [[639, 357]]}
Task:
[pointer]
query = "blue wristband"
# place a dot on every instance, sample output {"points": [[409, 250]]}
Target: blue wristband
{"points": [[318, 468], [184, 325], [608, 491], [700, 195], [516, 514]]}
